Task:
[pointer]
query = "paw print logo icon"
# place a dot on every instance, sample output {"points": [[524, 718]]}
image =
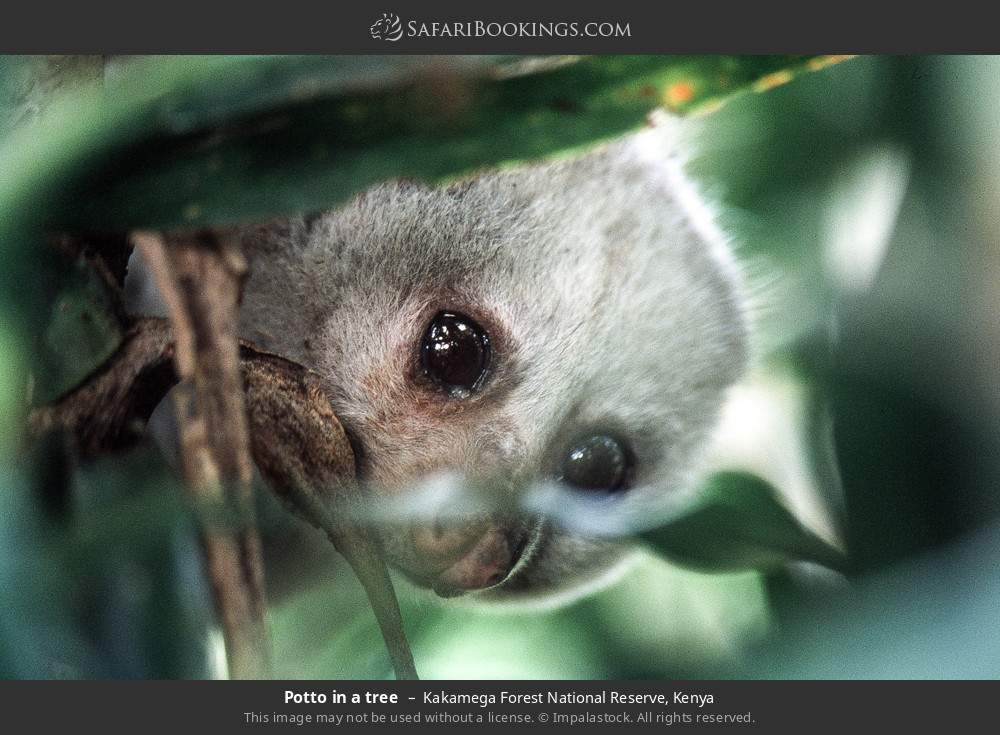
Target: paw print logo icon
{"points": [[387, 28]]}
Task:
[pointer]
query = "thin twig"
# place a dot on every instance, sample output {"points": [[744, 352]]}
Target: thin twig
{"points": [[199, 276]]}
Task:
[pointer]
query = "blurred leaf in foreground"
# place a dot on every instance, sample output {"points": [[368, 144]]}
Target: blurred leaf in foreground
{"points": [[213, 140], [100, 572]]}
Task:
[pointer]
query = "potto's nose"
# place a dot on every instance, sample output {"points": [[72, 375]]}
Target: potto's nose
{"points": [[445, 540], [472, 554]]}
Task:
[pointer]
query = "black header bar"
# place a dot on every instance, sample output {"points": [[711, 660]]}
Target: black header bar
{"points": [[514, 26]]}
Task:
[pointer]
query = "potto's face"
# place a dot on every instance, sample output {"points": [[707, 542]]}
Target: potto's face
{"points": [[571, 326]]}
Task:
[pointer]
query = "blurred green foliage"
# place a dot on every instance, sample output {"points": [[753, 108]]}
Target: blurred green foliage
{"points": [[179, 141], [737, 521], [862, 202]]}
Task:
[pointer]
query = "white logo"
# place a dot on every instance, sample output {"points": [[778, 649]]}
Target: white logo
{"points": [[387, 28]]}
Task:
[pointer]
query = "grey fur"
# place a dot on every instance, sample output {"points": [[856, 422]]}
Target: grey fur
{"points": [[611, 299]]}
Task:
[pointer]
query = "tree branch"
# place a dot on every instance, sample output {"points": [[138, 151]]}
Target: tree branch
{"points": [[109, 410], [199, 276]]}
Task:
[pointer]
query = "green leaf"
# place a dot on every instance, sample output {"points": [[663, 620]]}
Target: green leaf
{"points": [[214, 140], [737, 523]]}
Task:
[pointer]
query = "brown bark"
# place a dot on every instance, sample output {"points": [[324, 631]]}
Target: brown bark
{"points": [[109, 410], [200, 276]]}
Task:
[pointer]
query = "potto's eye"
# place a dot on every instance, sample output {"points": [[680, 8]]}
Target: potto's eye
{"points": [[597, 463], [455, 353]]}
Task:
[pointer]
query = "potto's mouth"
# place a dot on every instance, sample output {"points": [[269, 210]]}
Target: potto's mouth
{"points": [[485, 560], [485, 565]]}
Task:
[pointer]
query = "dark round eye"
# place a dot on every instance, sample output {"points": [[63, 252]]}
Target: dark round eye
{"points": [[597, 463], [455, 353]]}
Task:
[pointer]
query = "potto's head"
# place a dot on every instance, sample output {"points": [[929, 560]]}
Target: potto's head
{"points": [[574, 324]]}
